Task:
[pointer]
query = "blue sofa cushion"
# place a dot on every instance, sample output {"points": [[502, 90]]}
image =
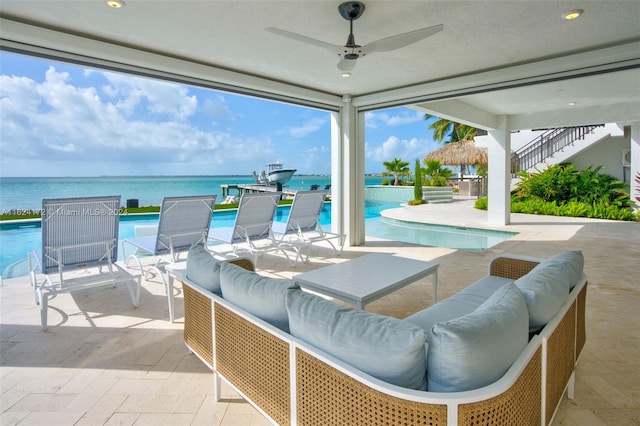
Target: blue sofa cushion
{"points": [[569, 263], [477, 349], [546, 287], [203, 269], [386, 348], [261, 296], [460, 304]]}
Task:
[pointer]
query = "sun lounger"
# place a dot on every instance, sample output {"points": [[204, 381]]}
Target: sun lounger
{"points": [[251, 231], [302, 228], [183, 222], [79, 249]]}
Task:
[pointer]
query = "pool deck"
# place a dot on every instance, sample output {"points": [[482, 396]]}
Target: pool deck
{"points": [[104, 362]]}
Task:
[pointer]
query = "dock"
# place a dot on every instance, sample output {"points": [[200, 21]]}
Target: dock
{"points": [[246, 188]]}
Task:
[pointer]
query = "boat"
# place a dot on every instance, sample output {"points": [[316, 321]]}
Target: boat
{"points": [[275, 174]]}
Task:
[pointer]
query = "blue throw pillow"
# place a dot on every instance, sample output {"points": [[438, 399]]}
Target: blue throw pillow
{"points": [[546, 287], [568, 263], [261, 296], [477, 349], [203, 269], [386, 348], [462, 303]]}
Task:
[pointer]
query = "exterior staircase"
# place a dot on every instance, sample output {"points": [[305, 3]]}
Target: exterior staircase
{"points": [[550, 147], [556, 146], [437, 194]]}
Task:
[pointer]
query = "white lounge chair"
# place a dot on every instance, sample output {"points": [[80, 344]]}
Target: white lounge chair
{"points": [[183, 222], [79, 249], [251, 230], [302, 227]]}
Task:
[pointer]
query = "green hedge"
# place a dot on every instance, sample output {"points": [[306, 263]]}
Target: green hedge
{"points": [[34, 214]]}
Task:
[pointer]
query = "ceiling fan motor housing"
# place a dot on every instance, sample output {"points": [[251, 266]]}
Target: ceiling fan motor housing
{"points": [[351, 10]]}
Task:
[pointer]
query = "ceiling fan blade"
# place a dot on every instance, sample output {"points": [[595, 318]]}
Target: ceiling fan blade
{"points": [[333, 48], [346, 65], [400, 40]]}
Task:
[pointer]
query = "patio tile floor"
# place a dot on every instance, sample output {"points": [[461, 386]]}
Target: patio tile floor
{"points": [[104, 362]]}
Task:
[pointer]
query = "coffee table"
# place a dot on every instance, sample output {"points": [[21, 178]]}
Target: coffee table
{"points": [[367, 278]]}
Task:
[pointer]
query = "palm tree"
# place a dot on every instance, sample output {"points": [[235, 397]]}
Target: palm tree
{"points": [[397, 167], [455, 131], [437, 174], [443, 128]]}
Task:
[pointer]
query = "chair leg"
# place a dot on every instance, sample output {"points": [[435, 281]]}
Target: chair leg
{"points": [[34, 285], [134, 286], [43, 301], [168, 288], [33, 278]]}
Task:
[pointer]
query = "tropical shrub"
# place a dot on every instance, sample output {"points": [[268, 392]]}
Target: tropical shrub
{"points": [[435, 174], [562, 183], [482, 203], [417, 186], [561, 190], [397, 168]]}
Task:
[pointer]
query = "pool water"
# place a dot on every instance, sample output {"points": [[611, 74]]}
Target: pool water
{"points": [[426, 234], [18, 239]]}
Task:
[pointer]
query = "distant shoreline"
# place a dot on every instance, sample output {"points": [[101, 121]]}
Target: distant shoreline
{"points": [[27, 193], [324, 175]]}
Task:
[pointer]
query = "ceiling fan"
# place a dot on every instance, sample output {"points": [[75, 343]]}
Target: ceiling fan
{"points": [[351, 51]]}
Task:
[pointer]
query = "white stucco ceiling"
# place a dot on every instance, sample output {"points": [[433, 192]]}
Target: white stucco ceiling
{"points": [[513, 58]]}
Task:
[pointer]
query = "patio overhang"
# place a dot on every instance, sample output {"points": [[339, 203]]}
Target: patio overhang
{"points": [[499, 66]]}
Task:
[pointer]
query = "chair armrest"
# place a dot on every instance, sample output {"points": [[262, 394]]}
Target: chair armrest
{"points": [[244, 263]]}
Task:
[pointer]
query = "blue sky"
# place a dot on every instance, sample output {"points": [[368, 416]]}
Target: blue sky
{"points": [[62, 120]]}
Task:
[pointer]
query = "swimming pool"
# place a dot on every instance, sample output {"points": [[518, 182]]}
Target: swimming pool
{"points": [[19, 238], [427, 234]]}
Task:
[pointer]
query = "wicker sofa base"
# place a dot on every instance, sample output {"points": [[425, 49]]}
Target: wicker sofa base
{"points": [[291, 382]]}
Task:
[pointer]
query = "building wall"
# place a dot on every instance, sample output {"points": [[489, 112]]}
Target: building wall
{"points": [[608, 153]]}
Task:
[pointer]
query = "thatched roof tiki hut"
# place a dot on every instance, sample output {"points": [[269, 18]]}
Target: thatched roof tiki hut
{"points": [[463, 153]]}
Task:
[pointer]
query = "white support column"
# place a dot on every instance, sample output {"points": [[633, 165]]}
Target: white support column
{"points": [[635, 162], [337, 176], [499, 174], [356, 176], [347, 173]]}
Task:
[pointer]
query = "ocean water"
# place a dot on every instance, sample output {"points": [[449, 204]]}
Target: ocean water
{"points": [[27, 193], [19, 238]]}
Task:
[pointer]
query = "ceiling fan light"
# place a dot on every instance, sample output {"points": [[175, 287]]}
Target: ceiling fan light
{"points": [[116, 4], [346, 74], [572, 14]]}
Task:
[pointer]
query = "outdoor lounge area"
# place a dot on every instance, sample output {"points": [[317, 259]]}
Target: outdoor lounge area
{"points": [[103, 361], [526, 65]]}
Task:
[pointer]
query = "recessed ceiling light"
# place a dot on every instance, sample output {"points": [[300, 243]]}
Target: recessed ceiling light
{"points": [[572, 103], [572, 14], [116, 4], [346, 74]]}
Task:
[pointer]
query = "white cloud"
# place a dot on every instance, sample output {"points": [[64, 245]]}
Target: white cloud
{"points": [[393, 147], [155, 96], [57, 123], [308, 127], [398, 117]]}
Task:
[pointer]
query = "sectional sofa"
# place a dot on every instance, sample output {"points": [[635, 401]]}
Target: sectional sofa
{"points": [[502, 351]]}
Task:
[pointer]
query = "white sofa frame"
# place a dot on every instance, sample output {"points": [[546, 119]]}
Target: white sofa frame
{"points": [[291, 382]]}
